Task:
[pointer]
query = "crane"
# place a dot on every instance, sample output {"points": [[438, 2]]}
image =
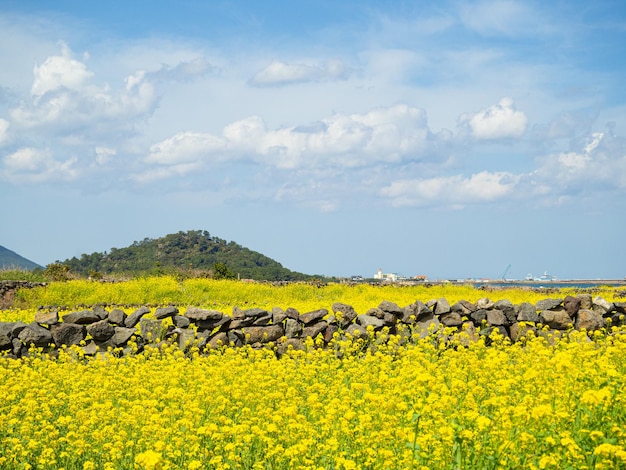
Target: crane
{"points": [[506, 271]]}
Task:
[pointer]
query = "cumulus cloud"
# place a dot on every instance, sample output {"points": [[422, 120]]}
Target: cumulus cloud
{"points": [[280, 73], [455, 190], [390, 134], [60, 72], [500, 121], [30, 165], [64, 97], [600, 163]]}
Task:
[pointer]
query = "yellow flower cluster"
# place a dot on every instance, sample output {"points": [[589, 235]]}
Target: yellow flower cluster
{"points": [[224, 294], [426, 404]]}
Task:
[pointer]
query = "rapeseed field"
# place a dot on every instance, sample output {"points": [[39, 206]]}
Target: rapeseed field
{"points": [[405, 403]]}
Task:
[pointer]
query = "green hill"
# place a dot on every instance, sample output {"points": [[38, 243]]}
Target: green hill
{"points": [[192, 250], [11, 260]]}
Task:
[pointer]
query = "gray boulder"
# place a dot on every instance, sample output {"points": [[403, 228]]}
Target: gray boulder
{"points": [[82, 317], [293, 328], [68, 333], [314, 316], [151, 330], [278, 315], [180, 321], [165, 312], [370, 320], [527, 312], [495, 317], [478, 316], [548, 304], [101, 331], [314, 329], [346, 312], [506, 307], [391, 307], [134, 318], [442, 306], [117, 317], [35, 334]]}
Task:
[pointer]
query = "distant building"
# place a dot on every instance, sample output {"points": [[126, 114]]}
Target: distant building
{"points": [[391, 277]]}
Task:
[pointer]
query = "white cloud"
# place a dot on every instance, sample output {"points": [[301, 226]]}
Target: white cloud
{"points": [[60, 72], [280, 73], [30, 165], [388, 134], [65, 98], [599, 164], [499, 121], [454, 190], [4, 127]]}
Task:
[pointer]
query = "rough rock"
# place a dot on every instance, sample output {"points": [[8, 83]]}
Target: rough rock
{"points": [[180, 321], [101, 312], [165, 312], [586, 301], [278, 315], [571, 305], [548, 304], [506, 307], [495, 317], [527, 312], [101, 331], [35, 334], [314, 329], [370, 320], [346, 312], [151, 329], [484, 303], [122, 335], [589, 320], [517, 331], [263, 334], [68, 333], [314, 316], [556, 319], [451, 319], [196, 314], [426, 325], [117, 317], [602, 306], [478, 316], [391, 307], [82, 317], [442, 306], [293, 328], [135, 317], [375, 312], [47, 318]]}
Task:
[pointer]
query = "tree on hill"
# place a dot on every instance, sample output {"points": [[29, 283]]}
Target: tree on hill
{"points": [[192, 250]]}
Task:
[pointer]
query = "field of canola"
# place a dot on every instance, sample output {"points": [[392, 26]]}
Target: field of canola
{"points": [[424, 405]]}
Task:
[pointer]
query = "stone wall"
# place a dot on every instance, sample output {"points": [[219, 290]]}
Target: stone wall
{"points": [[98, 329], [8, 289]]}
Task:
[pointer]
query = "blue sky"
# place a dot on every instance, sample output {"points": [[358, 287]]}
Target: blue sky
{"points": [[447, 138]]}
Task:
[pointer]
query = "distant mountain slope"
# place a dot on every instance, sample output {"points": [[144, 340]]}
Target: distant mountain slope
{"points": [[11, 260], [193, 249]]}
